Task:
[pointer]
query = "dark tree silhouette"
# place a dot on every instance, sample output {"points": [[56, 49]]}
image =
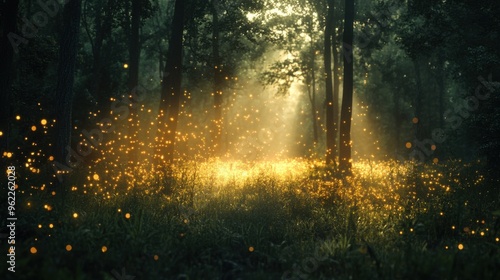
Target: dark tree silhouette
{"points": [[418, 101], [171, 89], [103, 27], [330, 125], [218, 80], [346, 113], [65, 77], [336, 91], [8, 13], [133, 77]]}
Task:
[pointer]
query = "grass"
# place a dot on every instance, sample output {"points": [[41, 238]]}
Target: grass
{"points": [[269, 220]]}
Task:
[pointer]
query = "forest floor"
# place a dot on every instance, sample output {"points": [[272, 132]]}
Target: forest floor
{"points": [[268, 220]]}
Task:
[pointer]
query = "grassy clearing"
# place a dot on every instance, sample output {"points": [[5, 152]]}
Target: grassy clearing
{"points": [[268, 220]]}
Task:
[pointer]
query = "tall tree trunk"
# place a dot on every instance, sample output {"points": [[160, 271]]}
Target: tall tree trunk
{"points": [[9, 18], [65, 77], [346, 114], [103, 26], [311, 93], [96, 53], [330, 127], [133, 79], [336, 93], [397, 121], [313, 105], [418, 100], [441, 87], [312, 90], [171, 90], [218, 81]]}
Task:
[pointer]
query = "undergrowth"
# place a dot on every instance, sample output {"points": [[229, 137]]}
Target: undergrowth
{"points": [[271, 220]]}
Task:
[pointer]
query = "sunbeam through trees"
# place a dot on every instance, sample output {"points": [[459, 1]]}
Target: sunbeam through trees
{"points": [[217, 139]]}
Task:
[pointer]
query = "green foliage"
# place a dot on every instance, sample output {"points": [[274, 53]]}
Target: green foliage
{"points": [[464, 34]]}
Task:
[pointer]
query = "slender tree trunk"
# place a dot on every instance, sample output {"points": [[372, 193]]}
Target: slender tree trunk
{"points": [[218, 81], [96, 53], [336, 93], [65, 77], [312, 94], [441, 87], [346, 114], [9, 19], [313, 108], [171, 90], [418, 101], [330, 127], [312, 99], [397, 121], [102, 31], [133, 79]]}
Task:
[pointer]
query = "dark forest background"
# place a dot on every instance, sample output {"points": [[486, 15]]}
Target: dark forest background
{"points": [[425, 73]]}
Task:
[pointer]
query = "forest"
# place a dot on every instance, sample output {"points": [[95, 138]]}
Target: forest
{"points": [[250, 139]]}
